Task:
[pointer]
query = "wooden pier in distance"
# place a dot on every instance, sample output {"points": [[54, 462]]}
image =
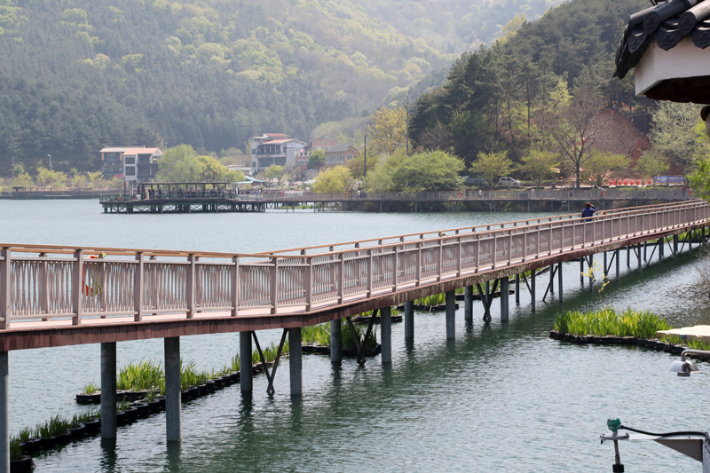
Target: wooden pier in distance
{"points": [[216, 197]]}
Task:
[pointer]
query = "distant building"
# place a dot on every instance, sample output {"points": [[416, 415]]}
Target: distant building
{"points": [[340, 155], [112, 161], [141, 164], [133, 164], [274, 148], [323, 143]]}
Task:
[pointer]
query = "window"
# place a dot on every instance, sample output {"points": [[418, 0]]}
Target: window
{"points": [[350, 157], [130, 170], [278, 149], [131, 160]]}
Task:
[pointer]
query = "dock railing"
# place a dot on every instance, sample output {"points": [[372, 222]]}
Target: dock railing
{"points": [[54, 282]]}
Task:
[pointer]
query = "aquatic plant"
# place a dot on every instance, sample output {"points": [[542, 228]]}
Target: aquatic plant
{"points": [[349, 341], [139, 376], [606, 321], [316, 334], [90, 388]]}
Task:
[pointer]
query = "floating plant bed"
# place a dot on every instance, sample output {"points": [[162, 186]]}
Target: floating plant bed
{"points": [[478, 297], [655, 344], [366, 320], [428, 308], [321, 350]]}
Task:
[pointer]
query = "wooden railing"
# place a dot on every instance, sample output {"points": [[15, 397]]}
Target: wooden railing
{"points": [[52, 282]]}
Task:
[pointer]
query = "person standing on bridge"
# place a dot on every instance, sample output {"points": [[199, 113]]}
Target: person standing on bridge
{"points": [[588, 211]]}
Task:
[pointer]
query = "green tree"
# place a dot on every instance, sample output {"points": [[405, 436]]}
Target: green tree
{"points": [[492, 166], [538, 165], [388, 129], [180, 164], [22, 180], [274, 172], [334, 181], [652, 164], [602, 163], [213, 169], [316, 159], [428, 171], [700, 179], [678, 133], [46, 177]]}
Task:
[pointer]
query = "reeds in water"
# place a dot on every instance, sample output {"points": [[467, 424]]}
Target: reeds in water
{"points": [[630, 323]]}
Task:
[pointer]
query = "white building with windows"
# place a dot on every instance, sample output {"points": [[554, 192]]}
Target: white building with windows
{"points": [[274, 148]]}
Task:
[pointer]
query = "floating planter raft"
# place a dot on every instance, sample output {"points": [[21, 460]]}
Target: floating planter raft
{"points": [[366, 320]]}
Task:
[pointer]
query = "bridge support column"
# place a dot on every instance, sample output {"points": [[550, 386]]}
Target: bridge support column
{"points": [[468, 304], [245, 374], [4, 413], [517, 289], [628, 257], [173, 402], [336, 341], [532, 289], [675, 246], [450, 315], [645, 254], [638, 253], [295, 361], [552, 279], [504, 299], [605, 271], [559, 279], [108, 391], [408, 319], [618, 264], [386, 334], [581, 270], [590, 263]]}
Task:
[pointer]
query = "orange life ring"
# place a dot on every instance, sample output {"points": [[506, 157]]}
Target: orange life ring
{"points": [[460, 194], [91, 291], [604, 193], [347, 195]]}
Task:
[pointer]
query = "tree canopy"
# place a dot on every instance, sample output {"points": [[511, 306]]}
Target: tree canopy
{"points": [[428, 171]]}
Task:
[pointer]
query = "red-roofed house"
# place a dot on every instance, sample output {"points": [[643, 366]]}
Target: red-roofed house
{"points": [[141, 164]]}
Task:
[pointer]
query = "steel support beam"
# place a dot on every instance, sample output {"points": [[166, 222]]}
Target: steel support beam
{"points": [[559, 279], [468, 303], [245, 373], [173, 401], [336, 340], [386, 334], [108, 391], [517, 288], [504, 299], [409, 319], [450, 315], [295, 361]]}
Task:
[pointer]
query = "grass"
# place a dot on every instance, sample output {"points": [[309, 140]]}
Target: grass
{"points": [[90, 388], [607, 321], [140, 376]]}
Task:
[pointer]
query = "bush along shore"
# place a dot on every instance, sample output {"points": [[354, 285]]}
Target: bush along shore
{"points": [[630, 327]]}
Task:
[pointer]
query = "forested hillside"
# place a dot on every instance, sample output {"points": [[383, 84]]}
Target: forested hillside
{"points": [[78, 75], [504, 97]]}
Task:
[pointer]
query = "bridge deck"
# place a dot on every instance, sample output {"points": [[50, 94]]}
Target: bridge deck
{"points": [[100, 295]]}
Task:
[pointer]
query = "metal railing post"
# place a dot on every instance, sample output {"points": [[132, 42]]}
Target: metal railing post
{"points": [[396, 269], [77, 287], [138, 289], [5, 287], [190, 289], [419, 264], [440, 269], [341, 278], [274, 284], [369, 273], [236, 286]]}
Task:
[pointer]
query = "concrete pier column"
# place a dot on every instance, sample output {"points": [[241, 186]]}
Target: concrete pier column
{"points": [[559, 279], [487, 295], [581, 271], [675, 246], [4, 413], [605, 271], [450, 315], [386, 334], [336, 340], [628, 256], [295, 361], [638, 253], [532, 289], [173, 401], [409, 319], [645, 246], [517, 289], [552, 279], [618, 264], [659, 244], [468, 303], [245, 350], [504, 298], [108, 390], [591, 272]]}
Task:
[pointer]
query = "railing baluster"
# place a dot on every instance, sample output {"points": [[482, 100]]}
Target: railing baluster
{"points": [[77, 287], [138, 288], [5, 287], [190, 286], [236, 286], [274, 286]]}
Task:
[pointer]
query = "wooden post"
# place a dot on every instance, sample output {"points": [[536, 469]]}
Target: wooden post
{"points": [[77, 287], [138, 282]]}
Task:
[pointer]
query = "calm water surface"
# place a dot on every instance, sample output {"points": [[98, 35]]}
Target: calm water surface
{"points": [[501, 397]]}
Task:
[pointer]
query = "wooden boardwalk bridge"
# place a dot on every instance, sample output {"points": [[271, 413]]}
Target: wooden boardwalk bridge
{"points": [[230, 201], [54, 296]]}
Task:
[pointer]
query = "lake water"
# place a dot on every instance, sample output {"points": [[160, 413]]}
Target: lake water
{"points": [[501, 397]]}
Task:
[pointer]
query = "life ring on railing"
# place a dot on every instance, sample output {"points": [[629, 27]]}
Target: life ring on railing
{"points": [[460, 194], [347, 195], [96, 288], [604, 193], [690, 192]]}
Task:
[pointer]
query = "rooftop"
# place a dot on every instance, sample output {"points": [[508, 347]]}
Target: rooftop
{"points": [[341, 147], [131, 151]]}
